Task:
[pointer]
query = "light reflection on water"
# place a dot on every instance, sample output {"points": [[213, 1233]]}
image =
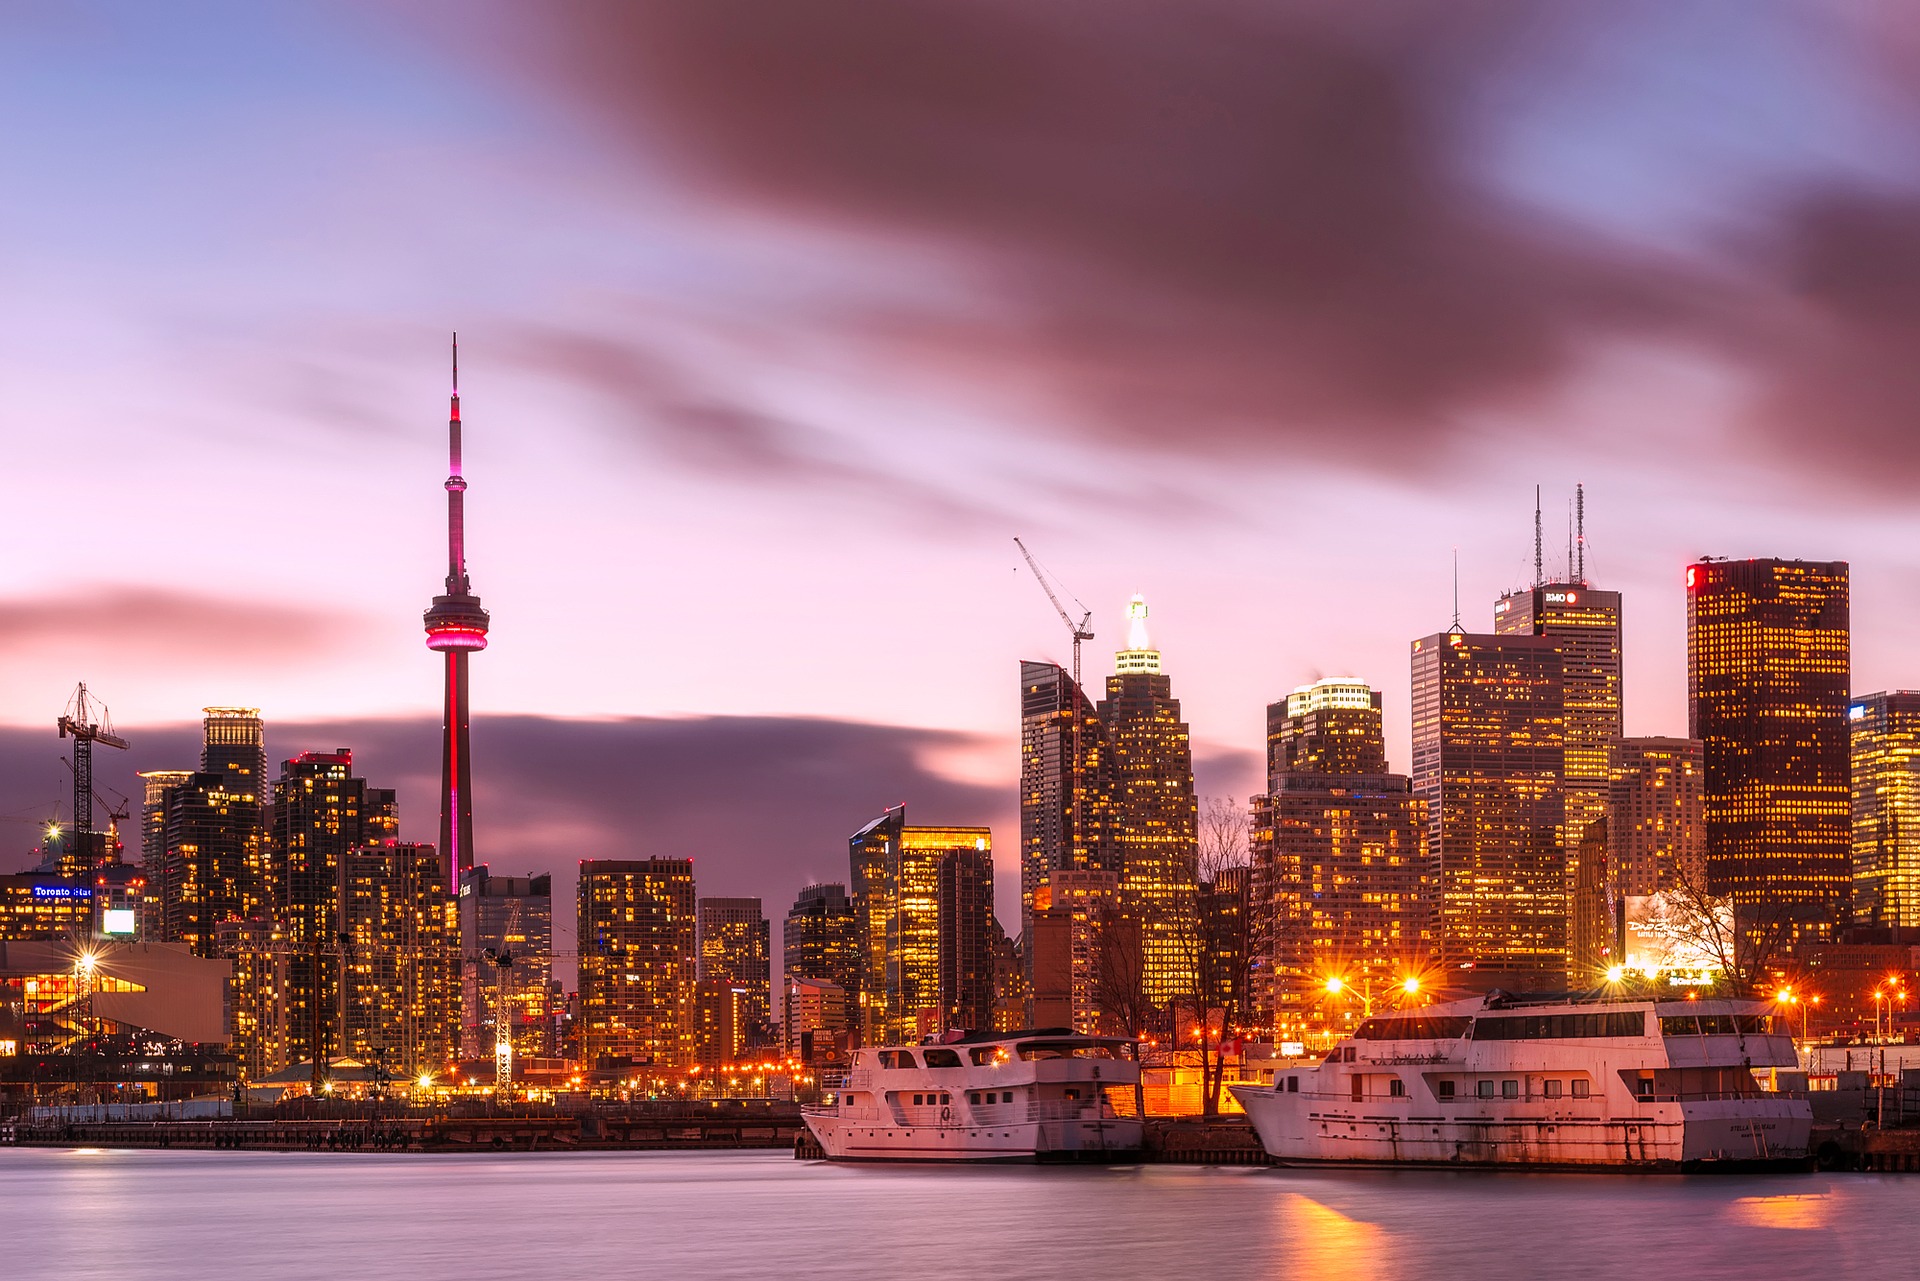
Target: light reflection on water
{"points": [[229, 1216]]}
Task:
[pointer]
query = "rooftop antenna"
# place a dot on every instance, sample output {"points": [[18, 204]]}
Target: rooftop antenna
{"points": [[1456, 593], [1569, 543], [1580, 525], [1539, 574]]}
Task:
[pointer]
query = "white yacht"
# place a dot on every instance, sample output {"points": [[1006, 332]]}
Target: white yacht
{"points": [[983, 1096], [1504, 1080]]}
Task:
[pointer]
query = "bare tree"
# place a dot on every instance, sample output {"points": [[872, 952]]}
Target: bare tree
{"points": [[1120, 988], [1210, 928], [1741, 938]]}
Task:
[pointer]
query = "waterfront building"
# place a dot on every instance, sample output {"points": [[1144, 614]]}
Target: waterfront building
{"points": [[638, 962], [1593, 920], [256, 996], [456, 628], [1080, 947], [115, 999], [214, 863], [736, 948], [34, 905], [507, 918], [153, 842], [1584, 625], [898, 873], [719, 1023], [1329, 727], [1656, 837], [820, 939], [1066, 783], [1011, 992], [399, 972], [1154, 813], [815, 1019], [1885, 734], [1487, 757], [1767, 683], [321, 811]]}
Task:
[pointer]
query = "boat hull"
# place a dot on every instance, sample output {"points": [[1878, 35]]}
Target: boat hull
{"points": [[1731, 1134], [1110, 1139]]}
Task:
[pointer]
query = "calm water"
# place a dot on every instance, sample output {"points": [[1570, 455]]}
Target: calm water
{"points": [[216, 1216]]}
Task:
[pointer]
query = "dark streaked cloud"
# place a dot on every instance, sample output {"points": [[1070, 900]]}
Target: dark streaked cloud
{"points": [[1215, 226], [173, 625]]}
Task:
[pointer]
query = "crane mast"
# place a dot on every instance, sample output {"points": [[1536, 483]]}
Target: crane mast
{"points": [[86, 722], [1080, 631]]}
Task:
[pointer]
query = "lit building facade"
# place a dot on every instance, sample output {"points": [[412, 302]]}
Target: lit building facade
{"points": [[638, 961], [1584, 625], [1593, 922], [214, 865], [1656, 834], [1768, 663], [511, 918], [1154, 813], [37, 906], [1066, 783], [820, 939], [1073, 949], [898, 875], [815, 1020], [320, 812], [399, 964], [153, 841], [1885, 733], [1329, 727], [736, 948], [1487, 756], [719, 1023]]}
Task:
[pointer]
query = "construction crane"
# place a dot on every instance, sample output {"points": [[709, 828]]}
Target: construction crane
{"points": [[1080, 631], [86, 722], [501, 958]]}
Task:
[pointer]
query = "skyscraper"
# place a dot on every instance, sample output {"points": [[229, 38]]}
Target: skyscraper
{"points": [[399, 975], [899, 873], [1886, 808], [1329, 727], [1079, 944], [213, 867], [1584, 624], [1343, 881], [321, 811], [456, 627], [964, 907], [507, 918], [637, 962], [1154, 812], [153, 842], [1066, 783], [1767, 676], [1487, 757], [820, 939], [1656, 838], [736, 948]]}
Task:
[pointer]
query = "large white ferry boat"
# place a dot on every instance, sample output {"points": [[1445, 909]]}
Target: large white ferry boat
{"points": [[1503, 1080], [982, 1096]]}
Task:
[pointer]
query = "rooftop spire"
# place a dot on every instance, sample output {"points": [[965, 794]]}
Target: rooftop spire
{"points": [[457, 581], [1580, 536], [1139, 655], [1539, 573]]}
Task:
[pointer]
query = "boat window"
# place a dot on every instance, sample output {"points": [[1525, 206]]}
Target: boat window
{"points": [[945, 1099], [897, 1059], [1483, 1089], [1071, 1094], [1359, 1087], [943, 1058], [1064, 1050], [918, 1100], [1293, 1085], [988, 1055], [1509, 1089], [1007, 1097], [1580, 1088], [1679, 1025], [1446, 1089], [1415, 1027], [1717, 1025], [1553, 1089], [1397, 1088], [1560, 1027], [1751, 1024]]}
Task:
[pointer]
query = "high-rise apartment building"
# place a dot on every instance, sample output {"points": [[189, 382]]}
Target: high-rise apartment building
{"points": [[1593, 942], [899, 873], [638, 960], [1154, 811], [506, 955], [1584, 624], [820, 939], [320, 812], [1066, 783], [399, 964], [815, 1018], [1767, 683], [719, 1023], [736, 948], [213, 866], [1080, 944], [1656, 838], [1487, 757], [963, 897], [1343, 881], [1329, 727], [1885, 732]]}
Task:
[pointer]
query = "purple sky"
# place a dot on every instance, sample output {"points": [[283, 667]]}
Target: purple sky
{"points": [[779, 321]]}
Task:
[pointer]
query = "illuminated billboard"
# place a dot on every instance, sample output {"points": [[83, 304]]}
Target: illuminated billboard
{"points": [[1678, 936], [117, 920]]}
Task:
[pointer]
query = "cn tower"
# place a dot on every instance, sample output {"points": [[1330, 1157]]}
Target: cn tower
{"points": [[456, 627]]}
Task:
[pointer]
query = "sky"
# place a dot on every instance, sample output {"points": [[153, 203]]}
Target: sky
{"points": [[779, 322]]}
